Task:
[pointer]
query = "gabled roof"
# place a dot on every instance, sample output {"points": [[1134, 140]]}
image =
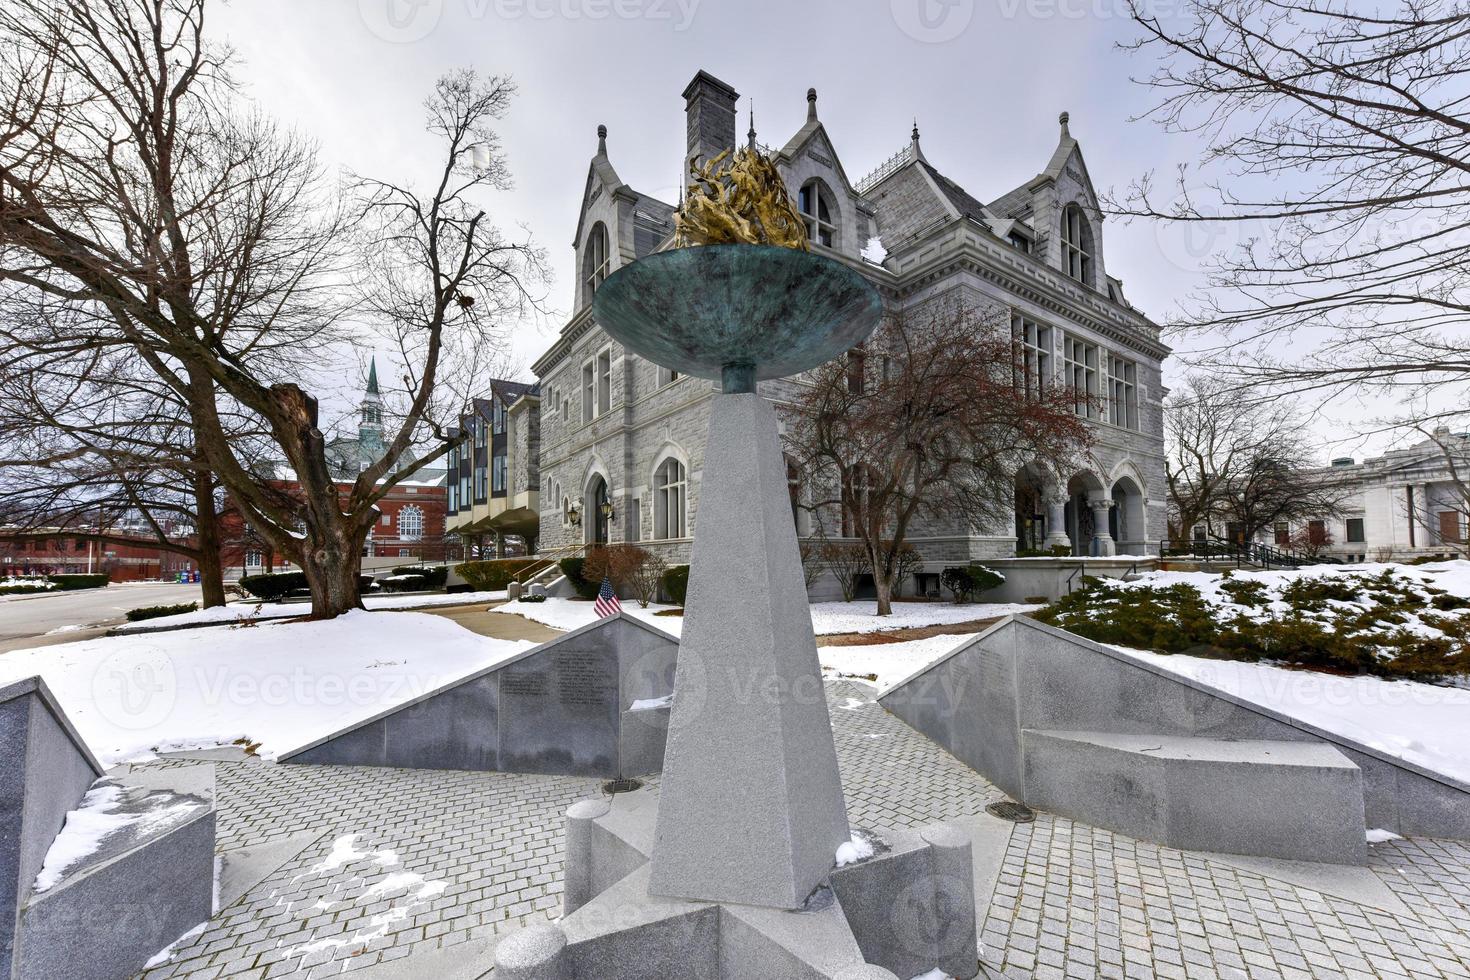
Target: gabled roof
{"points": [[1017, 201], [957, 196], [811, 130]]}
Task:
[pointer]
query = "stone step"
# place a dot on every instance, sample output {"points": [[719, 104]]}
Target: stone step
{"points": [[141, 877], [1297, 800]]}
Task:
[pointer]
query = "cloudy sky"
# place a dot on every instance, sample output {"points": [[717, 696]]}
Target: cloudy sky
{"points": [[985, 79]]}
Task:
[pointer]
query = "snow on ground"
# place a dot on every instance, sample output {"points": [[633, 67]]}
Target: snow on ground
{"points": [[859, 616], [889, 662], [278, 684], [1422, 723], [257, 611]]}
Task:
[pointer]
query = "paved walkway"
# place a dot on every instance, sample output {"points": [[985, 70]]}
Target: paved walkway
{"points": [[478, 619], [416, 861]]}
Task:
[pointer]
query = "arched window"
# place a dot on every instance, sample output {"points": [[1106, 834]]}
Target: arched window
{"points": [[411, 523], [1076, 244], [817, 211], [670, 486], [595, 259]]}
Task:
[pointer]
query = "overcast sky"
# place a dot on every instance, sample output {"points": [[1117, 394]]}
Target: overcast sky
{"points": [[985, 79]]}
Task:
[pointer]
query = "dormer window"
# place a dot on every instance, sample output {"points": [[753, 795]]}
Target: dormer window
{"points": [[1020, 241], [1076, 244], [595, 259], [816, 209]]}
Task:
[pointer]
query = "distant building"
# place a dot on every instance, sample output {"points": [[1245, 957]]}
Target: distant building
{"points": [[494, 478], [410, 526], [1407, 503], [132, 555]]}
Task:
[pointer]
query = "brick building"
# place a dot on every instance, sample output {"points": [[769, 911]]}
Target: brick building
{"points": [[44, 551]]}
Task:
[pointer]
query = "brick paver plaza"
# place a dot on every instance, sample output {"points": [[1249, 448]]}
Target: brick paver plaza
{"points": [[415, 861]]}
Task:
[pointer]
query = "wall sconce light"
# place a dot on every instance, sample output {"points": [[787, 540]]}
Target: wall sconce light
{"points": [[574, 516], [607, 511]]}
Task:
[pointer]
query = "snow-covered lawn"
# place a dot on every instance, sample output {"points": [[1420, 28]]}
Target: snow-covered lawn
{"points": [[277, 684], [1422, 723], [885, 664], [258, 611], [859, 616]]}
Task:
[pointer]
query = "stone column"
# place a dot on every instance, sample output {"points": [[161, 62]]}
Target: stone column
{"points": [[499, 545], [750, 807], [1102, 538], [1056, 522]]}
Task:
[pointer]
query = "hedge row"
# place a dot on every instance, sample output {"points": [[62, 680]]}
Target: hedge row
{"points": [[70, 583], [278, 585], [495, 574], [157, 612]]}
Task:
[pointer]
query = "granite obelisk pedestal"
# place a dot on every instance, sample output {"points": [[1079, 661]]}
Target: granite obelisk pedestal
{"points": [[751, 808]]}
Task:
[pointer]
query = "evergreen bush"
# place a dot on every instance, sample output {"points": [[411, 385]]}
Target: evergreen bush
{"points": [[70, 583], [492, 575], [157, 612], [676, 583]]}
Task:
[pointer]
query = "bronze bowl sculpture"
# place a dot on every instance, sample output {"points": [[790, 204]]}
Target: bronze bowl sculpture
{"points": [[737, 313]]}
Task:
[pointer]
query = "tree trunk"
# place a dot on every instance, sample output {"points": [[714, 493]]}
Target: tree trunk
{"points": [[206, 523], [884, 587], [331, 568]]}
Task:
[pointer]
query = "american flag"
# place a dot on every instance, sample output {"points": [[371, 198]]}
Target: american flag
{"points": [[607, 600]]}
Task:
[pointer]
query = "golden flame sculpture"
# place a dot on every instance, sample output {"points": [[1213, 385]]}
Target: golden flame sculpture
{"points": [[744, 202]]}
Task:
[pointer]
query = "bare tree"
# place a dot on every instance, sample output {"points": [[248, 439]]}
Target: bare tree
{"points": [[1340, 136], [1231, 457], [136, 186], [930, 418]]}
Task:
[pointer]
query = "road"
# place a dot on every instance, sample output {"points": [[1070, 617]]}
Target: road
{"points": [[29, 621]]}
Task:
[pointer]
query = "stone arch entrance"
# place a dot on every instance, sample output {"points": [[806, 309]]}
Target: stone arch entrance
{"points": [[594, 509], [1031, 524], [1127, 519], [1082, 517]]}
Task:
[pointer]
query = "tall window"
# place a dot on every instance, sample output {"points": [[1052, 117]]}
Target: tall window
{"points": [[1079, 364], [857, 370], [1033, 368], [498, 413], [670, 485], [589, 392], [1355, 530], [1123, 392], [604, 381], [497, 474], [1076, 244], [454, 483], [816, 211], [411, 523], [595, 259], [664, 376]]}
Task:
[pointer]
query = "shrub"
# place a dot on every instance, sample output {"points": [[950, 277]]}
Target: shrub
{"points": [[530, 597], [984, 579], [957, 581], [621, 563], [676, 583], [434, 576], [572, 569], [273, 585], [157, 612], [493, 575], [26, 588], [405, 583], [70, 583], [277, 585], [847, 562]]}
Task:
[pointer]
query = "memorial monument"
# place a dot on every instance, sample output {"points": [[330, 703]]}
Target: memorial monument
{"points": [[700, 876]]}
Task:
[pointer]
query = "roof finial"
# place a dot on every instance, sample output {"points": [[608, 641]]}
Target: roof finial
{"points": [[914, 135], [750, 136], [1063, 119], [811, 105], [601, 140]]}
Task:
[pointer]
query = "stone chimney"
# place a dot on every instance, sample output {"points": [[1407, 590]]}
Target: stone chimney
{"points": [[709, 114]]}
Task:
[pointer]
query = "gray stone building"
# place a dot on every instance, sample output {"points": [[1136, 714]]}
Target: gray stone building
{"points": [[622, 439]]}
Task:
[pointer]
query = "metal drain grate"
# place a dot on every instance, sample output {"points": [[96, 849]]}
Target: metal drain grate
{"points": [[1012, 811], [614, 786]]}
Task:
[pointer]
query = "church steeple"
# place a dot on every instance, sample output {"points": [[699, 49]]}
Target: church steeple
{"points": [[370, 420]]}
